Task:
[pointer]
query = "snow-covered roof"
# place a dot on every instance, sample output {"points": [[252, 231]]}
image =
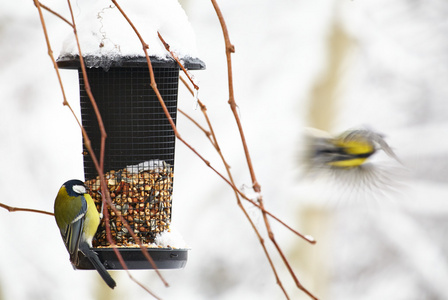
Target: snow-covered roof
{"points": [[106, 37]]}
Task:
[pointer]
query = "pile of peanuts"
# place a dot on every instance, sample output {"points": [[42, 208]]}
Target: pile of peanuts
{"points": [[142, 198]]}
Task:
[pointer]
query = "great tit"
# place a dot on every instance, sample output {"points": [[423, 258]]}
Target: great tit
{"points": [[78, 220], [350, 149], [345, 161]]}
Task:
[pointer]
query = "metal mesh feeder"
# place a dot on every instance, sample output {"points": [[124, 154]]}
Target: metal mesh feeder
{"points": [[139, 154]]}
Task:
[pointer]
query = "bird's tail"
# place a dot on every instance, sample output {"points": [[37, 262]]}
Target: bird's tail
{"points": [[93, 257]]}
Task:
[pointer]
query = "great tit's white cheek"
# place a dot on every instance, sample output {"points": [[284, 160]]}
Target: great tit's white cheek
{"points": [[79, 189]]}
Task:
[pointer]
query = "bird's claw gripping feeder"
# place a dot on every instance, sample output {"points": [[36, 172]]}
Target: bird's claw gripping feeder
{"points": [[139, 154]]}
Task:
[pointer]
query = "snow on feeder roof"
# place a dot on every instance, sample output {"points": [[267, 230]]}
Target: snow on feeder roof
{"points": [[140, 144], [107, 40], [104, 32]]}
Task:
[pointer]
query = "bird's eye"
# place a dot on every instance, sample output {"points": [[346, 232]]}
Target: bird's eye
{"points": [[79, 189]]}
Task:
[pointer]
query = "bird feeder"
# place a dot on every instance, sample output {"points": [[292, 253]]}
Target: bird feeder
{"points": [[138, 157]]}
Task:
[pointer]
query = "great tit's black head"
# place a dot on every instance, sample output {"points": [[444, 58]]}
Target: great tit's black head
{"points": [[75, 188]]}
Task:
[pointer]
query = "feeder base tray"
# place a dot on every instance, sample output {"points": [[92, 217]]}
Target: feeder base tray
{"points": [[164, 258]]}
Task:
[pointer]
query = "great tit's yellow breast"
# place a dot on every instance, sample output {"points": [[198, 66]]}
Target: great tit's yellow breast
{"points": [[92, 219], [348, 163]]}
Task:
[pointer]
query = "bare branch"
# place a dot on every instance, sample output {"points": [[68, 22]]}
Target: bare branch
{"points": [[174, 56], [87, 143], [214, 142], [56, 14], [14, 209], [229, 50]]}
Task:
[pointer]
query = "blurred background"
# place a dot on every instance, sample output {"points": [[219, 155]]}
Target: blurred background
{"points": [[332, 65]]}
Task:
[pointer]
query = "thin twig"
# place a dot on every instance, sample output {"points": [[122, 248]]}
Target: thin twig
{"points": [[232, 103], [88, 90], [153, 85], [98, 166], [229, 50], [156, 91], [87, 143], [141, 285], [14, 209], [120, 258], [56, 14], [206, 132], [174, 56], [50, 53], [212, 138], [133, 235]]}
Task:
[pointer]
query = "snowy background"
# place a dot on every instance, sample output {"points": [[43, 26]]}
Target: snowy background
{"points": [[329, 64]]}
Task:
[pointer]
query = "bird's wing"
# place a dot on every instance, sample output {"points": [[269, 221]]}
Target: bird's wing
{"points": [[73, 231]]}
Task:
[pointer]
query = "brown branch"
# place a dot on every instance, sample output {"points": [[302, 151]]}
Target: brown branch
{"points": [[162, 102], [117, 253], [210, 134], [145, 48], [140, 284], [92, 99], [229, 50], [156, 91], [87, 143], [207, 133], [212, 138], [131, 232], [56, 14], [174, 56], [14, 209], [100, 167], [50, 52]]}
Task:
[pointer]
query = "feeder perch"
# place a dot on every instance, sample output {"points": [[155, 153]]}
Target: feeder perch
{"points": [[139, 153]]}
